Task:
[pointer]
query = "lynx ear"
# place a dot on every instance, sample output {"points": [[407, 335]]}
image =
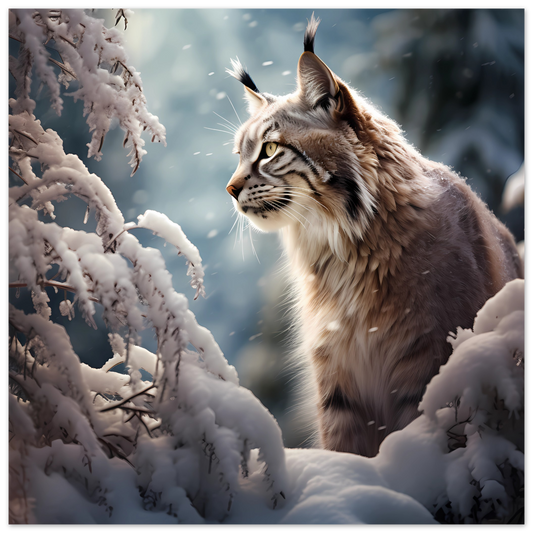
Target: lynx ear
{"points": [[316, 82], [255, 101], [251, 92]]}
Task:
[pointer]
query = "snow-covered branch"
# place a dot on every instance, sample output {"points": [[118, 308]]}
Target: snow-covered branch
{"points": [[94, 57]]}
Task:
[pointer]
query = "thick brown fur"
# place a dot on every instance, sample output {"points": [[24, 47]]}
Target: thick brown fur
{"points": [[389, 252]]}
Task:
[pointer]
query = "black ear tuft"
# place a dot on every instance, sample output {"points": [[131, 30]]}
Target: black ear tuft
{"points": [[310, 32], [240, 74]]}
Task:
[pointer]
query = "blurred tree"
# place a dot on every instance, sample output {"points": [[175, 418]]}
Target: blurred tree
{"points": [[459, 90]]}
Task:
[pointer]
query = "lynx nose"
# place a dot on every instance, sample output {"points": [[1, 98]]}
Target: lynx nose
{"points": [[236, 183], [234, 191]]}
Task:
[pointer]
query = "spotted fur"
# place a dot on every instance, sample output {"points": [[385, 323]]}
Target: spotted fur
{"points": [[388, 251]]}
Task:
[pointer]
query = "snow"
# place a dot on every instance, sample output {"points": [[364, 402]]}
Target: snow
{"points": [[332, 488], [478, 394], [173, 234]]}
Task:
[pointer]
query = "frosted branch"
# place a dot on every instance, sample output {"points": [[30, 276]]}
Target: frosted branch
{"points": [[94, 56]]}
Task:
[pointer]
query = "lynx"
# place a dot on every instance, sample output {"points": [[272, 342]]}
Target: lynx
{"points": [[389, 251]]}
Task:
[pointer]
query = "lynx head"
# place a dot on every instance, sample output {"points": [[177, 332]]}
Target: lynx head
{"points": [[309, 158]]}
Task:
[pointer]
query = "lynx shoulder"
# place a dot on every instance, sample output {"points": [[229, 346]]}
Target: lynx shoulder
{"points": [[389, 251]]}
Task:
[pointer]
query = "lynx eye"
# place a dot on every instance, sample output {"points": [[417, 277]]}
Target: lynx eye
{"points": [[268, 150]]}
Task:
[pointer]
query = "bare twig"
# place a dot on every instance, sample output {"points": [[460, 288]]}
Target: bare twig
{"points": [[63, 67], [139, 416], [110, 243], [118, 435], [20, 383], [49, 283], [18, 175], [130, 73], [67, 41], [20, 152], [28, 136], [129, 418], [126, 400], [134, 409], [116, 451]]}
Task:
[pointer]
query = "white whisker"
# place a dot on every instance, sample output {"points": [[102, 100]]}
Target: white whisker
{"points": [[290, 187], [297, 212], [237, 221], [221, 131], [237, 229], [297, 203], [301, 205], [237, 114], [228, 128], [294, 215], [275, 203], [303, 196], [228, 121], [242, 237], [236, 218], [252, 243], [294, 202]]}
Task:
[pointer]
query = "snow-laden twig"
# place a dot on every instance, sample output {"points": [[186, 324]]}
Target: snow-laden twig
{"points": [[173, 234]]}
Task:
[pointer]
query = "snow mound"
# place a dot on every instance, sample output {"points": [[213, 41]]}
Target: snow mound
{"points": [[331, 488], [463, 457]]}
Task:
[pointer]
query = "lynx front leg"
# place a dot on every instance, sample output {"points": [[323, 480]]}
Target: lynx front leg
{"points": [[349, 425], [358, 422], [359, 425]]}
